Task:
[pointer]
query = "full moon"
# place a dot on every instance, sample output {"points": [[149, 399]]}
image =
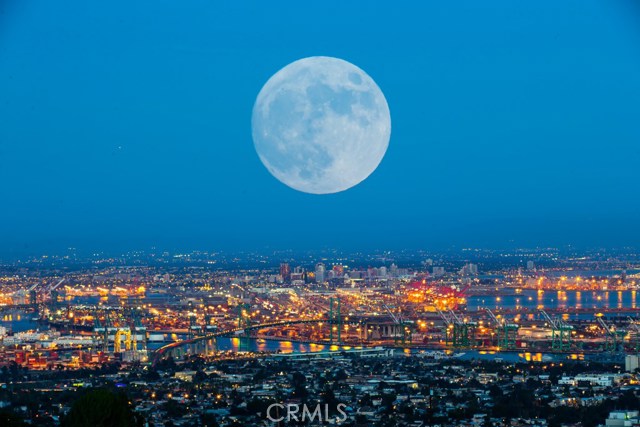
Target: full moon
{"points": [[321, 125]]}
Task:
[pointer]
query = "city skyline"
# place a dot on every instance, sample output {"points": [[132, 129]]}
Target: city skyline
{"points": [[195, 340]]}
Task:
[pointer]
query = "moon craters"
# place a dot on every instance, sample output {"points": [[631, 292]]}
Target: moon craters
{"points": [[321, 125]]}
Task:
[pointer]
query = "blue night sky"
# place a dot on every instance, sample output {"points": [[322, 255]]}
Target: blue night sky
{"points": [[126, 124]]}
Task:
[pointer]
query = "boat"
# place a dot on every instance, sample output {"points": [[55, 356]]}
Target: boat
{"points": [[437, 355]]}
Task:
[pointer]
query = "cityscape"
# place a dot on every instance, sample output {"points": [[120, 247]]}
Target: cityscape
{"points": [[538, 337], [336, 213]]}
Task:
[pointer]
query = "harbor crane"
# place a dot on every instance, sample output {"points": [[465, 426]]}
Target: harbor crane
{"points": [[33, 287], [560, 333], [634, 332], [138, 330], [104, 329], [404, 326], [244, 313], [118, 338], [195, 330], [459, 333], [614, 339], [52, 292], [243, 291], [33, 295], [335, 318], [209, 325], [506, 332], [46, 293], [57, 285]]}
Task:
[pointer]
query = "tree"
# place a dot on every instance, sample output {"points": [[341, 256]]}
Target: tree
{"points": [[9, 419], [199, 377], [299, 381], [174, 409], [495, 391], [487, 422], [168, 364], [101, 408], [4, 373], [208, 420], [628, 400]]}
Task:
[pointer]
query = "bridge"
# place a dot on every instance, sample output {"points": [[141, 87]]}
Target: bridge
{"points": [[201, 343], [198, 344]]}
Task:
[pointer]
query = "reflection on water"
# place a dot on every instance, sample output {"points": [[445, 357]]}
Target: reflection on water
{"points": [[531, 357], [540, 357], [18, 321], [538, 299], [240, 344]]}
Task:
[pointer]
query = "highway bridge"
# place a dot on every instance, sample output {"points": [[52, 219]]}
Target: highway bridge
{"points": [[199, 344]]}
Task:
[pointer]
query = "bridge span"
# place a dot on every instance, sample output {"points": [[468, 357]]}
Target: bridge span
{"points": [[201, 343]]}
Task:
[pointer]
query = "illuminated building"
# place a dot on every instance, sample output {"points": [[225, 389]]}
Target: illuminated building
{"points": [[393, 270], [285, 271], [469, 270], [320, 272]]}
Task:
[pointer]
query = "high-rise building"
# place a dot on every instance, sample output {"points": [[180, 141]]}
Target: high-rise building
{"points": [[382, 271], [438, 271], [469, 270], [320, 272], [531, 265], [285, 271], [297, 274], [393, 270], [631, 362]]}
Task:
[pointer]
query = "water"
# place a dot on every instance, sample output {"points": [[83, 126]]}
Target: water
{"points": [[532, 300], [591, 273], [276, 346], [18, 321], [491, 355], [273, 346]]}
